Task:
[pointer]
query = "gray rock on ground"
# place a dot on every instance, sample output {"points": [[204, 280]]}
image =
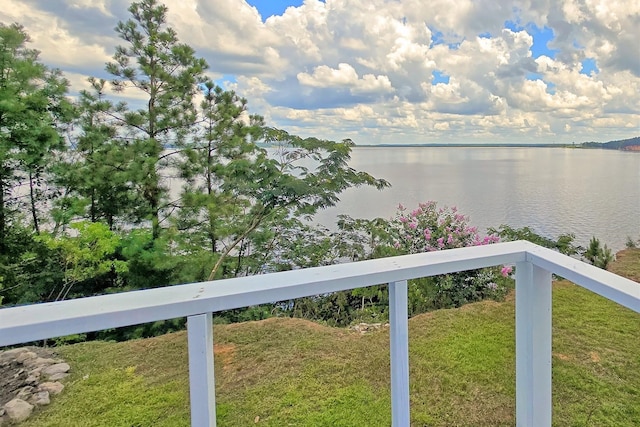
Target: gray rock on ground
{"points": [[40, 398], [58, 368], [58, 376], [18, 410], [25, 355], [52, 387]]}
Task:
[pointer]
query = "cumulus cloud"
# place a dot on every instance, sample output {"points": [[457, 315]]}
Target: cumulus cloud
{"points": [[345, 76], [365, 68]]}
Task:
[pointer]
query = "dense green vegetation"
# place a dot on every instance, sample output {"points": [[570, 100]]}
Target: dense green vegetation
{"points": [[295, 372]]}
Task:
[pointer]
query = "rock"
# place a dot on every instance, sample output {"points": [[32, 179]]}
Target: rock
{"points": [[25, 355], [13, 352], [39, 362], [31, 380], [18, 410], [41, 398], [364, 328], [25, 392], [56, 369], [52, 387], [58, 376], [36, 371]]}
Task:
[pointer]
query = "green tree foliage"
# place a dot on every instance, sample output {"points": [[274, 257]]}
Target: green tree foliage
{"points": [[600, 256], [593, 250], [32, 105], [96, 175], [563, 244], [167, 72], [282, 180], [234, 186], [87, 255], [33, 112], [29, 268], [210, 208], [363, 238]]}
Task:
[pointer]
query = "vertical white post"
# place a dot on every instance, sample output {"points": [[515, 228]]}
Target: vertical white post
{"points": [[533, 346], [202, 389], [399, 337]]}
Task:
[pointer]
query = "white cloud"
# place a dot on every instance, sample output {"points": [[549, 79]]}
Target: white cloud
{"points": [[364, 68], [345, 76]]}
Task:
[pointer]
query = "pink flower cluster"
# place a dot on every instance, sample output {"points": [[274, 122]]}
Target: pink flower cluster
{"points": [[506, 271], [430, 228]]}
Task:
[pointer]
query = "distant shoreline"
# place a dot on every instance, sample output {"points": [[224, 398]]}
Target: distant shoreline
{"points": [[631, 144], [440, 145]]}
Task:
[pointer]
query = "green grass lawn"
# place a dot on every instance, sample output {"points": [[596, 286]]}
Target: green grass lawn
{"points": [[289, 372]]}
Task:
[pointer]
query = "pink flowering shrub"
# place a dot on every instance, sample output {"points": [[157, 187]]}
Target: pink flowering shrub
{"points": [[429, 228]]}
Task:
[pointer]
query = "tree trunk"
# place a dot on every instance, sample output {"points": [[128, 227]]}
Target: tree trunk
{"points": [[240, 256], [92, 209], [256, 222], [209, 173], [3, 220], [212, 239], [32, 197]]}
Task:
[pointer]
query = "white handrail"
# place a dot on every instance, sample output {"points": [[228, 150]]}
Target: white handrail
{"points": [[47, 320], [198, 300]]}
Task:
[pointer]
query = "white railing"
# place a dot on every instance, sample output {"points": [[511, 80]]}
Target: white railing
{"points": [[197, 301]]}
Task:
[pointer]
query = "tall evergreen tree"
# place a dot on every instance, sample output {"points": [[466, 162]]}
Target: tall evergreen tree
{"points": [[96, 177], [32, 106], [226, 133], [167, 73]]}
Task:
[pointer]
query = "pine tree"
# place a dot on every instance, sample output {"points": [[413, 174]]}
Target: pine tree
{"points": [[32, 109], [96, 176], [167, 73]]}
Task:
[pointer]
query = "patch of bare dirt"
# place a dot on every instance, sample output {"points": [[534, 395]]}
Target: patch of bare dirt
{"points": [[224, 353], [562, 356]]}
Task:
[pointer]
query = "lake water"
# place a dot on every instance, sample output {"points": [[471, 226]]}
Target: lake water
{"points": [[552, 190]]}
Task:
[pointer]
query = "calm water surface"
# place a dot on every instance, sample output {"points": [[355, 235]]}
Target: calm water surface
{"points": [[551, 190]]}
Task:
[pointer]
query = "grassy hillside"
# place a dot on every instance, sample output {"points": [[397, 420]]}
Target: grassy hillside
{"points": [[287, 372]]}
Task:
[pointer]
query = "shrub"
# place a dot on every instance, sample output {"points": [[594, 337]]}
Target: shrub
{"points": [[429, 228], [600, 256]]}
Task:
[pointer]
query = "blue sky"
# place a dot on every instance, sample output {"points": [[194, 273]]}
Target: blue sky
{"points": [[381, 71], [268, 8], [542, 36]]}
